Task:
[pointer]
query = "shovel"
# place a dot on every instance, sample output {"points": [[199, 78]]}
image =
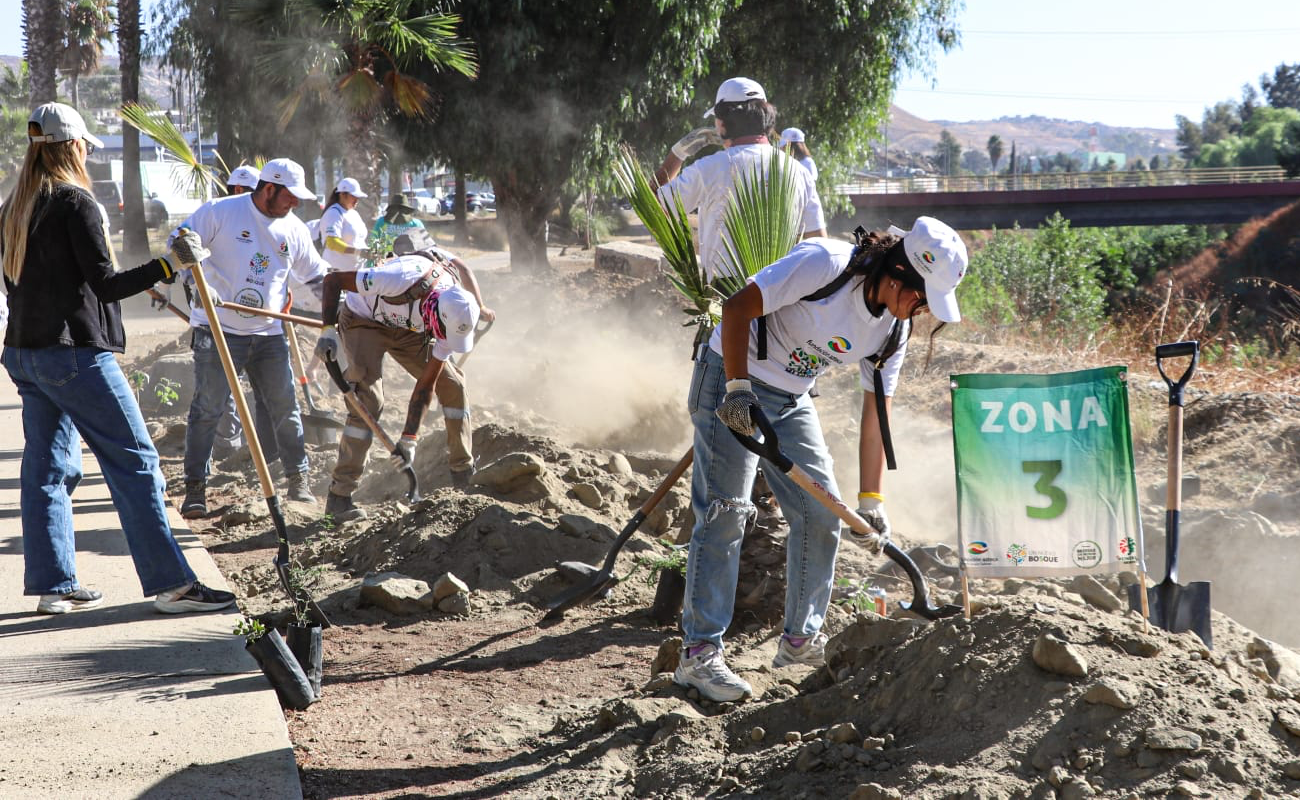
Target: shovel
{"points": [[597, 582], [354, 403], [167, 304], [1172, 606], [318, 427], [301, 599], [770, 449]]}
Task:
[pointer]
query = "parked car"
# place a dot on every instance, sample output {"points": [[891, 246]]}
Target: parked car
{"points": [[475, 203], [424, 202], [109, 194]]}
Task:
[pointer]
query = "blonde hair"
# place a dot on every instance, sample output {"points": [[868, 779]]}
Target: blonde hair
{"points": [[46, 165]]}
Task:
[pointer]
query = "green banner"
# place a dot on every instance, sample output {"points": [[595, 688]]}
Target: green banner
{"points": [[1045, 478]]}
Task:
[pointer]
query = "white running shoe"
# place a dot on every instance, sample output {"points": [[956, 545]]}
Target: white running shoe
{"points": [[72, 601], [811, 653], [708, 673]]}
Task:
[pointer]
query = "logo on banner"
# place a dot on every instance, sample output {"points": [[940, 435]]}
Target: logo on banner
{"points": [[1017, 553], [1128, 549], [1086, 554], [977, 548]]}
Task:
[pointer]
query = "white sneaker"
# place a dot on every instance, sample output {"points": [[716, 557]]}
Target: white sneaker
{"points": [[708, 673], [811, 653], [72, 601]]}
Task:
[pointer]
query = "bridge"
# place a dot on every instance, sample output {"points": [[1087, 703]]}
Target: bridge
{"points": [[1086, 199]]}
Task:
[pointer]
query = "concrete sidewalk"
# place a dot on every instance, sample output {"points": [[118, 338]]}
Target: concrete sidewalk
{"points": [[121, 701]]}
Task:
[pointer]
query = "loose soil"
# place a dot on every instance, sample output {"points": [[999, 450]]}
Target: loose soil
{"points": [[578, 396]]}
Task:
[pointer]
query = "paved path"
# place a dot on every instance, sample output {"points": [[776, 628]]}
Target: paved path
{"points": [[120, 701]]}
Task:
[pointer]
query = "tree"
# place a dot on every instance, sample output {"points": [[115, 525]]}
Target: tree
{"points": [[89, 26], [561, 85], [947, 153], [975, 161], [995, 150], [1189, 137], [15, 91], [1288, 152], [355, 56], [43, 30], [1283, 88], [135, 239], [1220, 121]]}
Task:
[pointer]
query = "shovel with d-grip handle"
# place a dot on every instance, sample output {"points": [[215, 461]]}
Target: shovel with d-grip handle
{"points": [[770, 449], [1172, 606], [296, 592]]}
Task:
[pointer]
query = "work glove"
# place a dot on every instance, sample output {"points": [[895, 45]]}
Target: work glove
{"points": [[871, 507], [186, 249], [695, 141], [329, 348], [159, 301], [403, 452], [734, 410]]}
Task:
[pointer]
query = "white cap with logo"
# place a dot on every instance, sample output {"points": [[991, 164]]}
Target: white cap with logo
{"points": [[459, 312], [737, 90], [351, 186], [791, 135], [60, 123], [288, 174], [939, 255], [243, 176]]}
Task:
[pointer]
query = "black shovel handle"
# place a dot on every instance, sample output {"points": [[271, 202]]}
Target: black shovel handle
{"points": [[1175, 350], [354, 403], [770, 449]]}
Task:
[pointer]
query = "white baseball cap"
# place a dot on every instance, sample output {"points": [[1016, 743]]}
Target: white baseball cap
{"points": [[288, 174], [791, 135], [350, 186], [243, 176], [60, 123], [457, 313], [737, 90], [939, 255]]}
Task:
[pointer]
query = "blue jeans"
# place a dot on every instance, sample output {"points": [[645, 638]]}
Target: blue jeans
{"points": [[71, 390], [721, 481], [265, 359]]}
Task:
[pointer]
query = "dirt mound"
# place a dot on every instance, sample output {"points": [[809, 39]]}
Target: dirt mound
{"points": [[962, 709]]}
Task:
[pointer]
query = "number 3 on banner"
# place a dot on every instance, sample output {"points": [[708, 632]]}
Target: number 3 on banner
{"points": [[1048, 470]]}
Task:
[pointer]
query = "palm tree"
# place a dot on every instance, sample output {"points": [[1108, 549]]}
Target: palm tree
{"points": [[43, 30], [89, 26], [354, 55], [135, 239], [995, 151]]}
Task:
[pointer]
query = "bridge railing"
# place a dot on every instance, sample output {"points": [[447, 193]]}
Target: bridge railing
{"points": [[1063, 180]]}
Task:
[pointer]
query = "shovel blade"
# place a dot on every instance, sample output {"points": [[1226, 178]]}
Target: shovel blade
{"points": [[590, 588], [1177, 608]]}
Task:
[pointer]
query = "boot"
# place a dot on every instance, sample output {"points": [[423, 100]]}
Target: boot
{"points": [[342, 508], [195, 504], [295, 486], [460, 480]]}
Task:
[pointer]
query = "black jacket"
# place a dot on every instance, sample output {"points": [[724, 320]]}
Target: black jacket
{"points": [[68, 291]]}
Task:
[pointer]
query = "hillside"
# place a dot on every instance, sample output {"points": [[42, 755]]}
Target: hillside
{"points": [[1030, 134]]}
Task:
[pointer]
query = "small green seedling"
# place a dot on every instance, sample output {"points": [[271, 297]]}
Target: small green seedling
{"points": [[138, 379], [251, 629], [674, 560], [165, 391]]}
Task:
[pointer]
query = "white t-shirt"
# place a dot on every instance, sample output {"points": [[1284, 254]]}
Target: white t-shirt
{"points": [[392, 277], [346, 225], [806, 338], [810, 165], [707, 185], [252, 258]]}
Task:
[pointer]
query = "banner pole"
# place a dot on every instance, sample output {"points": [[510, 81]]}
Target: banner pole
{"points": [[965, 593]]}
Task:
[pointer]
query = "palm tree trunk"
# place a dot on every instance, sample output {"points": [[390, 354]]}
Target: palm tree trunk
{"points": [[361, 160], [135, 238], [43, 26], [73, 94]]}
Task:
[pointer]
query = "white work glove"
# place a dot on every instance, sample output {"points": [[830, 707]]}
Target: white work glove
{"points": [[404, 452], [186, 249], [734, 410], [329, 348], [871, 507], [695, 141]]}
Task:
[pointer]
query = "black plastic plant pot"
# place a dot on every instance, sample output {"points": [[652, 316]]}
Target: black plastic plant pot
{"points": [[282, 670], [306, 645]]}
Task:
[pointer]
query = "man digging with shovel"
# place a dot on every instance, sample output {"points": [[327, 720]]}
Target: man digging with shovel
{"points": [[421, 307]]}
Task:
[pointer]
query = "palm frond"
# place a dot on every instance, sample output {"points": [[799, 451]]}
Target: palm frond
{"points": [[762, 222], [196, 177], [671, 229], [410, 95]]}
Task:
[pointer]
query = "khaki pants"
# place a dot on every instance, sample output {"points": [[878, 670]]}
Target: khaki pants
{"points": [[366, 342]]}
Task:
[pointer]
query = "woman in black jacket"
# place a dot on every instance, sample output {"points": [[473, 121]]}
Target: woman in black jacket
{"points": [[64, 327]]}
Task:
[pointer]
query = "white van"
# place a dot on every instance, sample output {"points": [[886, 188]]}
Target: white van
{"points": [[167, 191]]}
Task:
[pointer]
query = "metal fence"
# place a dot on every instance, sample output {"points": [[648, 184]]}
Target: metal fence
{"points": [[1063, 180]]}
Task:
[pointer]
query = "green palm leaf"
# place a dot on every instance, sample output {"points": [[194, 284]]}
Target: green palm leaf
{"points": [[671, 229], [149, 120], [762, 222]]}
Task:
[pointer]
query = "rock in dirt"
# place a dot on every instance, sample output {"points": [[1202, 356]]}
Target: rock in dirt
{"points": [[1091, 590], [510, 473], [1283, 665], [457, 604], [588, 494], [874, 791], [243, 514], [1113, 693], [1172, 739], [669, 655], [1059, 657], [396, 593], [446, 585]]}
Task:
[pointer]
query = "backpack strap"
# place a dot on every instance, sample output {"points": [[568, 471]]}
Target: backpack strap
{"points": [[892, 342], [821, 294]]}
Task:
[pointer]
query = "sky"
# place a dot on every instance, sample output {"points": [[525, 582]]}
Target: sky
{"points": [[1130, 63]]}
